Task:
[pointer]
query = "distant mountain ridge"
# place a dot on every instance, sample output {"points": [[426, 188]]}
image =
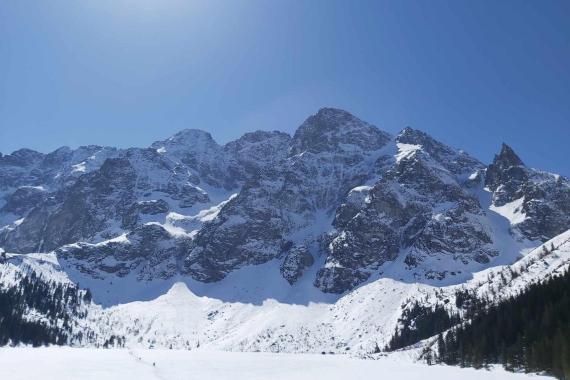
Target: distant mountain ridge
{"points": [[339, 201]]}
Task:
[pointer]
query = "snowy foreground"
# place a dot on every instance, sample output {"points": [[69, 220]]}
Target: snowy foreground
{"points": [[82, 363]]}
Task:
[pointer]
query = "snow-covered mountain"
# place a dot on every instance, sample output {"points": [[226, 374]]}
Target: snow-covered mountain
{"points": [[236, 314], [313, 242]]}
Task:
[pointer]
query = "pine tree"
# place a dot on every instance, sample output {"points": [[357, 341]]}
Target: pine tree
{"points": [[529, 331]]}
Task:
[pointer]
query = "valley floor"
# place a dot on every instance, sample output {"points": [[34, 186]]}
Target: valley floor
{"points": [[86, 363]]}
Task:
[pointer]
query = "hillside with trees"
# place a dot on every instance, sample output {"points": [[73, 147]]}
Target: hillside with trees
{"points": [[529, 331], [37, 312]]}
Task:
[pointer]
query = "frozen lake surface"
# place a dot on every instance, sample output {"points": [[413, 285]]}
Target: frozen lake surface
{"points": [[86, 363]]}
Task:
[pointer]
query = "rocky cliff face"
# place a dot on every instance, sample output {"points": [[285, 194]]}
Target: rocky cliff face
{"points": [[330, 153], [341, 197], [539, 200], [419, 205]]}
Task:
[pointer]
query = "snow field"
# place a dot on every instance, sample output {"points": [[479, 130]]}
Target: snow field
{"points": [[86, 364]]}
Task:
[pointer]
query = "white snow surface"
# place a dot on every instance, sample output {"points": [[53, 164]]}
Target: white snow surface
{"points": [[406, 150], [69, 363], [253, 310], [79, 168], [512, 211]]}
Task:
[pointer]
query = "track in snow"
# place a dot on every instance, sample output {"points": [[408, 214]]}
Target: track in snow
{"points": [[86, 364]]}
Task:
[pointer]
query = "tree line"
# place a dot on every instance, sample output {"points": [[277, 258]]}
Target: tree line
{"points": [[54, 306], [529, 331]]}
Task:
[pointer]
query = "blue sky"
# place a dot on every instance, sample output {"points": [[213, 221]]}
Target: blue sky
{"points": [[128, 72]]}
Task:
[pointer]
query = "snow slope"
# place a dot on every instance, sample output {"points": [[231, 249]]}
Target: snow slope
{"points": [[68, 363], [496, 284], [238, 314]]}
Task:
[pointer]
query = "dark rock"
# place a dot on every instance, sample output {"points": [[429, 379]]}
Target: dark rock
{"points": [[25, 198], [295, 262]]}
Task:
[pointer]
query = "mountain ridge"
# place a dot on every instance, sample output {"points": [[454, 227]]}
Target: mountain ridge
{"points": [[340, 196], [318, 242]]}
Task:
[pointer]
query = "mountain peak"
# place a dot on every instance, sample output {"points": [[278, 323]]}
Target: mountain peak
{"points": [[507, 157], [328, 112], [191, 135], [260, 135], [331, 118], [454, 160], [197, 139], [411, 131], [25, 152], [22, 156], [331, 127], [410, 135], [507, 171]]}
